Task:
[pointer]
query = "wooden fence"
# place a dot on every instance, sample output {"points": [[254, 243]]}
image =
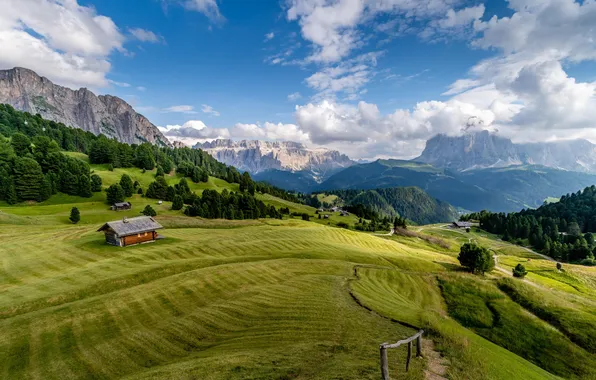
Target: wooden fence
{"points": [[385, 346]]}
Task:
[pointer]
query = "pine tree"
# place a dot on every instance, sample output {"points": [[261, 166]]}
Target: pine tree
{"points": [[75, 215], [178, 203], [85, 187], [126, 184], [95, 183], [115, 194], [11, 194], [159, 171], [149, 211], [28, 178], [46, 189]]}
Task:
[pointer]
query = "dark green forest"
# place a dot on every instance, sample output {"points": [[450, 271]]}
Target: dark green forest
{"points": [[33, 167], [411, 203], [563, 230]]}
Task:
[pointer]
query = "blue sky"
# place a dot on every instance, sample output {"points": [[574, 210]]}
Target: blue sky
{"points": [[372, 78]]}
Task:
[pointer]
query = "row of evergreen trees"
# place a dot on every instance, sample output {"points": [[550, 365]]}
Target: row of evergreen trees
{"points": [[562, 230]]}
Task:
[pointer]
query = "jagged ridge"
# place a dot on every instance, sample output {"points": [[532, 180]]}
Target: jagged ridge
{"points": [[105, 114]]}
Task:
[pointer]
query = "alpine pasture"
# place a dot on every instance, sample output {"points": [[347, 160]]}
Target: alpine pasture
{"points": [[273, 299]]}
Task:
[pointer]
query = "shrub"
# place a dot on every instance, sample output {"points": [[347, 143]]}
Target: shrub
{"points": [[75, 215], [111, 167], [305, 217], [559, 266], [149, 211], [475, 258], [343, 225], [519, 271]]}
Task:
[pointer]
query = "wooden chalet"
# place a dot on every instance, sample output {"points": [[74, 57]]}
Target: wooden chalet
{"points": [[462, 224], [131, 231], [122, 206]]}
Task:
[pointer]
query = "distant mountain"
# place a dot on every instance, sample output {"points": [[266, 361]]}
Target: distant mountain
{"points": [[274, 158], [105, 114], [481, 150], [409, 202], [495, 189]]}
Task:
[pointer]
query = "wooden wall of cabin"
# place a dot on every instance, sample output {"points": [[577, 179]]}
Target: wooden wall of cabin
{"points": [[139, 238]]}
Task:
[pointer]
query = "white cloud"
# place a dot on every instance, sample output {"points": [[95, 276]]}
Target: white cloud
{"points": [[119, 84], [141, 88], [61, 40], [144, 35], [269, 36], [193, 131], [209, 110], [269, 131], [181, 109], [294, 96], [207, 7], [348, 77]]}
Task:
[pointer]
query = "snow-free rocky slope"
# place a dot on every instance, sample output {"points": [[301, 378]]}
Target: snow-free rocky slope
{"points": [[105, 114]]}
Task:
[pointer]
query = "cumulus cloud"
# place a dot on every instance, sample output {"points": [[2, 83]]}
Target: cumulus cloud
{"points": [[209, 110], [144, 35], [68, 43], [119, 84], [269, 36]]}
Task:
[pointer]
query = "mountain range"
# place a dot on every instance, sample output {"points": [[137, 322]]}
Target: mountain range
{"points": [[105, 114], [291, 163], [481, 150]]}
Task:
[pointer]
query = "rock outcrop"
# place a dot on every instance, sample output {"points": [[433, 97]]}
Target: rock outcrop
{"points": [[105, 114]]}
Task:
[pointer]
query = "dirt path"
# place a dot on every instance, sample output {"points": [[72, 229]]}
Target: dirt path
{"points": [[436, 365]]}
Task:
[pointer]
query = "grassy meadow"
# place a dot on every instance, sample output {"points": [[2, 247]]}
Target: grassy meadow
{"points": [[274, 299]]}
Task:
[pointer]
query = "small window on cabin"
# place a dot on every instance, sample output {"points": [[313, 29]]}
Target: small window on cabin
{"points": [[139, 235], [145, 234]]}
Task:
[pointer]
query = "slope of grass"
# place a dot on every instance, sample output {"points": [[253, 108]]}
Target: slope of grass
{"points": [[253, 299]]}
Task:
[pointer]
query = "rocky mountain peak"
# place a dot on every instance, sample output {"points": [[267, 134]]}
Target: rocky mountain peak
{"points": [[488, 150], [105, 114], [256, 156]]}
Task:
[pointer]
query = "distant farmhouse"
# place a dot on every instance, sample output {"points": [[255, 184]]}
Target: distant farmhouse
{"points": [[462, 224], [121, 206], [131, 231]]}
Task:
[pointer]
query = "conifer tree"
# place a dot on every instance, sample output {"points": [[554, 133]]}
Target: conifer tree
{"points": [[75, 215], [126, 184]]}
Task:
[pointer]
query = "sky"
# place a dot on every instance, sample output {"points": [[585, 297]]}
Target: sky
{"points": [[370, 78]]}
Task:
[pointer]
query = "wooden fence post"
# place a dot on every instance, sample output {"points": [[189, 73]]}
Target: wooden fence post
{"points": [[419, 346], [384, 363]]}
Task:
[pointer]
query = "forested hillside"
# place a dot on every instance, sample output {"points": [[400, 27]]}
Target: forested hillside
{"points": [[33, 167], [408, 202], [563, 230]]}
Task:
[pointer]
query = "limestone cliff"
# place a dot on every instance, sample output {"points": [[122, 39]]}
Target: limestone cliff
{"points": [[105, 114]]}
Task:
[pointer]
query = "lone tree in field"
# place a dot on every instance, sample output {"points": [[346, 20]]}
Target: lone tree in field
{"points": [[115, 194], [148, 211], [475, 258], [126, 184], [519, 271], [305, 217], [75, 215], [559, 267]]}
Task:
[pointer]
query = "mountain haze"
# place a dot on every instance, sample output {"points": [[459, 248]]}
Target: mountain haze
{"points": [[105, 114]]}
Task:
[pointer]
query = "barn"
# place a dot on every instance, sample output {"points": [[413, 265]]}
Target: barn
{"points": [[121, 206], [131, 231]]}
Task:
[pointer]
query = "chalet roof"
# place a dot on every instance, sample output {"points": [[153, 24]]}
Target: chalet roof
{"points": [[132, 226], [463, 224], [122, 204]]}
